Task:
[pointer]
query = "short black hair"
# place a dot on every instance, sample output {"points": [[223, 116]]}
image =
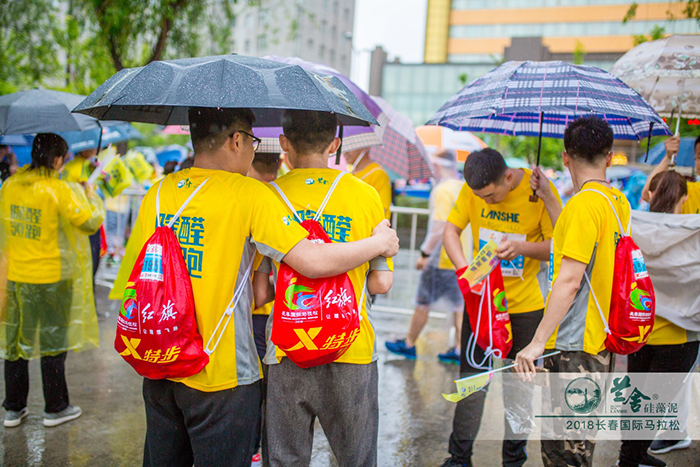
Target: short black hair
{"points": [[169, 167], [309, 131], [589, 139], [210, 127], [46, 148], [484, 167], [266, 162], [697, 141]]}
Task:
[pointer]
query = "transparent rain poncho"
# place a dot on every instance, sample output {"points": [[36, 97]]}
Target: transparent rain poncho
{"points": [[46, 294]]}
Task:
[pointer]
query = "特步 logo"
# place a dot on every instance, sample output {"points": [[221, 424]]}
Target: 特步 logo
{"points": [[309, 181]]}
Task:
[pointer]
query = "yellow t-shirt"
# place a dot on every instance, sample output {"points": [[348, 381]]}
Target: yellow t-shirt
{"points": [[77, 169], [442, 199], [376, 176], [692, 205], [219, 232], [667, 333], [351, 214], [515, 218], [587, 231], [34, 204]]}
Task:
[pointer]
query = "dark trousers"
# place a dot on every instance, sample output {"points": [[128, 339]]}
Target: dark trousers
{"points": [[470, 410], [185, 426], [53, 377], [655, 359]]}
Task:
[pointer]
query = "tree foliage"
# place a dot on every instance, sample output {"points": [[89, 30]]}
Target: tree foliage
{"points": [[76, 44]]}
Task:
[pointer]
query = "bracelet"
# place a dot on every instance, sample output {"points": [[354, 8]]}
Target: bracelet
{"points": [[423, 254]]}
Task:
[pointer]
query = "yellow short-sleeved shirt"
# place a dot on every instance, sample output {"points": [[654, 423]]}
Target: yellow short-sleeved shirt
{"points": [[667, 333], [587, 231], [77, 169], [32, 204], [442, 199], [219, 232], [692, 205], [351, 214], [374, 175], [515, 218]]}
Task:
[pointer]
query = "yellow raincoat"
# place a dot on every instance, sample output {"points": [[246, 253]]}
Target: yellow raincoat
{"points": [[46, 297]]}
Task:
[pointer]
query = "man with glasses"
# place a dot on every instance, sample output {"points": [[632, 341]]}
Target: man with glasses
{"points": [[210, 418]]}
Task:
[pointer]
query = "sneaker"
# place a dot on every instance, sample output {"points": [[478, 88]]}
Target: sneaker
{"points": [[451, 356], [648, 461], [399, 348], [66, 415], [662, 446], [13, 418], [257, 461], [450, 462]]}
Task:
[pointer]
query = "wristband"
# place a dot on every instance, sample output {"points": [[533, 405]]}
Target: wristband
{"points": [[423, 254]]}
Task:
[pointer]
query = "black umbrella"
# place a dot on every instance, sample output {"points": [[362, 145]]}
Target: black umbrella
{"points": [[42, 111], [161, 92]]}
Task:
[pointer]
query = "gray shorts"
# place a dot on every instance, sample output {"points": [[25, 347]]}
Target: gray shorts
{"points": [[436, 284]]}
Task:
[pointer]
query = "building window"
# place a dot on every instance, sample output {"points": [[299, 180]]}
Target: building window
{"points": [[323, 27], [247, 46], [331, 57], [334, 33], [262, 42], [310, 43], [322, 52]]}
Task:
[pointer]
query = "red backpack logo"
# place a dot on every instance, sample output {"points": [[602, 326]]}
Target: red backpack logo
{"points": [[156, 326], [487, 308], [633, 302], [314, 320]]}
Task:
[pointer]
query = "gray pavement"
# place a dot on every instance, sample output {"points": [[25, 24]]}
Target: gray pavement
{"points": [[415, 421]]}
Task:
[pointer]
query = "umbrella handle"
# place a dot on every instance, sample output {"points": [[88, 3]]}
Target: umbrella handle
{"points": [[534, 198]]}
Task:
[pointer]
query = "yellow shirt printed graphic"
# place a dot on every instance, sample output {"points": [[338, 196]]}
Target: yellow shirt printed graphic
{"points": [[587, 231], [515, 218], [218, 232], [374, 175], [692, 205], [351, 214]]}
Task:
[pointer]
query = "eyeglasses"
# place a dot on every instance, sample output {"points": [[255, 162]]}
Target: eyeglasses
{"points": [[256, 140]]}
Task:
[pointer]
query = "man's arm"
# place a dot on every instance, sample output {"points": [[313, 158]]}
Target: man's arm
{"points": [[543, 188], [379, 282], [453, 245], [316, 260], [562, 296], [263, 292], [672, 145]]}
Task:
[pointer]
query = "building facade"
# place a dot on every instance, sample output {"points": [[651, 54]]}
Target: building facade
{"points": [[314, 30]]}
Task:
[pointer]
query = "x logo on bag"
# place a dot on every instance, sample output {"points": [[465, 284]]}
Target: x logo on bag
{"points": [[131, 345]]}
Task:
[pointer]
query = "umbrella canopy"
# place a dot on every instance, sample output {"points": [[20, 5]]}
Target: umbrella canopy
{"points": [[163, 91], [685, 156], [402, 151], [439, 137], [354, 137], [41, 111], [511, 99], [111, 133], [665, 72]]}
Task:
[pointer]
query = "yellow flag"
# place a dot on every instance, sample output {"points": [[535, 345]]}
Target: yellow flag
{"points": [[481, 266], [469, 385]]}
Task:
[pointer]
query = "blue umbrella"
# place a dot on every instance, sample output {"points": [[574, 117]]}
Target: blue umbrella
{"points": [[173, 152], [685, 156], [16, 140], [541, 98], [111, 133]]}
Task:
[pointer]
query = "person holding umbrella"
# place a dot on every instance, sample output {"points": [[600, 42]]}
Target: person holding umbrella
{"points": [[692, 203], [584, 242], [364, 168], [495, 202], [47, 307]]}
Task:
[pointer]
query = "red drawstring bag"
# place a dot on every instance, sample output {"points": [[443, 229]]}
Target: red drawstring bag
{"points": [[156, 326], [103, 241], [487, 308], [314, 320], [633, 302]]}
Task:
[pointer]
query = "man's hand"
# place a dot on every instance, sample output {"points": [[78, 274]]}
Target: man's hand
{"points": [[508, 250], [525, 360], [422, 263], [672, 145], [539, 183], [388, 238]]}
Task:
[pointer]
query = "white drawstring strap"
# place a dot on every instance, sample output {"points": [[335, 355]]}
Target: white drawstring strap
{"points": [[182, 208]]}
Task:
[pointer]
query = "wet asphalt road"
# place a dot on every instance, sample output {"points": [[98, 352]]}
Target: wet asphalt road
{"points": [[415, 421]]}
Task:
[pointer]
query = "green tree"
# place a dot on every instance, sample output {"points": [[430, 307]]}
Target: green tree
{"points": [[579, 53], [525, 148], [76, 44]]}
